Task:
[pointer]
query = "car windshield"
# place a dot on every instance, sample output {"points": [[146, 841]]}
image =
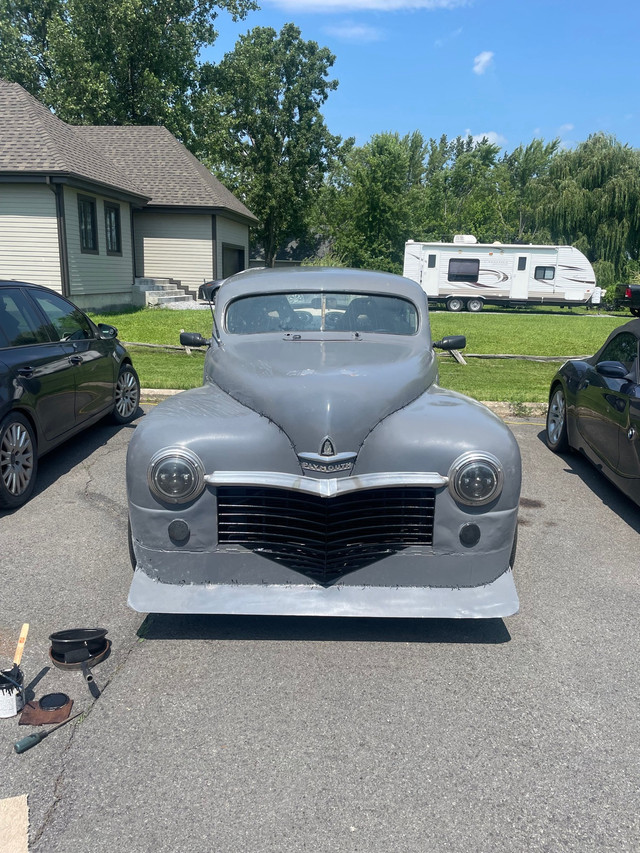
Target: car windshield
{"points": [[321, 312]]}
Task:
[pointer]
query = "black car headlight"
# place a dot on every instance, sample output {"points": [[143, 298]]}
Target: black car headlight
{"points": [[475, 478], [176, 475]]}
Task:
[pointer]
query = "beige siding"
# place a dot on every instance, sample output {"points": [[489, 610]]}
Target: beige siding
{"points": [[100, 274], [174, 245], [232, 234], [29, 234]]}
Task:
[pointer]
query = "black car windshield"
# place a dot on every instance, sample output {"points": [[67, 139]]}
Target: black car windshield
{"points": [[321, 312]]}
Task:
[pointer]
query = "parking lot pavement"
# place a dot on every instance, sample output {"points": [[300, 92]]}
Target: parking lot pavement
{"points": [[272, 734]]}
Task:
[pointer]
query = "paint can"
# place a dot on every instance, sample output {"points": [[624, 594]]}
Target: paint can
{"points": [[11, 692]]}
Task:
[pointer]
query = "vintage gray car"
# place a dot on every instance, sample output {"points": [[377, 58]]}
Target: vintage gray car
{"points": [[320, 469]]}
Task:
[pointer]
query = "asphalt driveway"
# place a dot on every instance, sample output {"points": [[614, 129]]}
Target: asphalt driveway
{"points": [[252, 735]]}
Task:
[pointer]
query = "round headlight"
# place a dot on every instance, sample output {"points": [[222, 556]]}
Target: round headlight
{"points": [[476, 478], [176, 475]]}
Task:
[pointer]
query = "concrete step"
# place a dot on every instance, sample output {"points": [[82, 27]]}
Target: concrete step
{"points": [[155, 297]]}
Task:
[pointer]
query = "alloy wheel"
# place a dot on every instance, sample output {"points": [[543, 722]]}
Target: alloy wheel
{"points": [[16, 459], [127, 394]]}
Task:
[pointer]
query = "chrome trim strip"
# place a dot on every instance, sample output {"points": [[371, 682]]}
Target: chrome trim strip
{"points": [[328, 488], [491, 601]]}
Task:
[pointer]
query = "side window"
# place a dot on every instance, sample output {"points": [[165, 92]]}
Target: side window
{"points": [[464, 269], [69, 322], [112, 228], [88, 224], [545, 273], [19, 322], [522, 264], [623, 348], [431, 262]]}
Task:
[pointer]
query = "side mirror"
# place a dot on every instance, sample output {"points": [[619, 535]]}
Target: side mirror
{"points": [[451, 342], [193, 339], [612, 370], [107, 332]]}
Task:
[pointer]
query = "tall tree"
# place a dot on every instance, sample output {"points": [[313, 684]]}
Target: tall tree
{"points": [[111, 61], [372, 203], [524, 167], [259, 116], [593, 200]]}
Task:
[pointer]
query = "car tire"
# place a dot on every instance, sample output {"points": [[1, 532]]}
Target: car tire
{"points": [[454, 303], [18, 460], [127, 402], [556, 434], [475, 306]]}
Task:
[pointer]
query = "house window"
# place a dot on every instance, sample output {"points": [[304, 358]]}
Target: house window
{"points": [[545, 273], [88, 225], [464, 269], [431, 262], [112, 228], [522, 264]]}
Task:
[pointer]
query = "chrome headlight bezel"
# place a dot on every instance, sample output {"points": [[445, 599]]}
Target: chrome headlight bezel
{"points": [[184, 456], [463, 463]]}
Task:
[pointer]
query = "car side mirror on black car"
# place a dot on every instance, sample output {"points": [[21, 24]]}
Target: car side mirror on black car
{"points": [[613, 370], [193, 339], [108, 332], [451, 342]]}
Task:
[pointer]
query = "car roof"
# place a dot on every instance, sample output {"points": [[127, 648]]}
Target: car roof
{"points": [[321, 279]]}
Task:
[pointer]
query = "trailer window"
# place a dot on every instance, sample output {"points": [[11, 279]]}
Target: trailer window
{"points": [[545, 273], [522, 263], [464, 269], [431, 261]]}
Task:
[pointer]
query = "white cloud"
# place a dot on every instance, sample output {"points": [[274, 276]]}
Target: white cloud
{"points": [[482, 61], [491, 135], [363, 5], [565, 128], [354, 32], [445, 39]]}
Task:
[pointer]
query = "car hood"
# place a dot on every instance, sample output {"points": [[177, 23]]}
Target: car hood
{"points": [[313, 389]]}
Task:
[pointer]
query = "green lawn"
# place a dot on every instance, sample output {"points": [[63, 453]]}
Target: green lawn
{"points": [[486, 379]]}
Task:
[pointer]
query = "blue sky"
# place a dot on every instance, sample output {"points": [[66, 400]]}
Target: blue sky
{"points": [[509, 69]]}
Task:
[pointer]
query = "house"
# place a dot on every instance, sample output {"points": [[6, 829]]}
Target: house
{"points": [[90, 211]]}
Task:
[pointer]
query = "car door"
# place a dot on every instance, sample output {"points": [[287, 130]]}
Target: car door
{"points": [[602, 402], [629, 438], [94, 366], [39, 375]]}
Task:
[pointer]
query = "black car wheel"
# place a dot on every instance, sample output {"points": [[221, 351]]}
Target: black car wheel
{"points": [[454, 303], [556, 436], [18, 460], [475, 305], [127, 395]]}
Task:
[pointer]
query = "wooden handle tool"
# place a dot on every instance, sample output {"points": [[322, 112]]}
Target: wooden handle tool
{"points": [[20, 647]]}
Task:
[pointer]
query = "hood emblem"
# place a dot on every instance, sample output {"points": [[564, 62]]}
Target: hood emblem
{"points": [[326, 447]]}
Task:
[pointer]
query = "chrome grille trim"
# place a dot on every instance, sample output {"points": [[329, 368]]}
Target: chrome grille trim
{"points": [[328, 488]]}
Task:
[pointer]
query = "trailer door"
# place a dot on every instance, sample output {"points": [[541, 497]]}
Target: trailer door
{"points": [[520, 276], [429, 269]]}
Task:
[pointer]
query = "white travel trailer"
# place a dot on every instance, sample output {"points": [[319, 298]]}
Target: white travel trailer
{"points": [[468, 274]]}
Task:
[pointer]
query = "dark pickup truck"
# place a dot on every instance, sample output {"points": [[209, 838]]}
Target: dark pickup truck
{"points": [[632, 299]]}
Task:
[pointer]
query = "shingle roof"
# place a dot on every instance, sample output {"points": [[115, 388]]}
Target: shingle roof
{"points": [[162, 167], [34, 141], [147, 162]]}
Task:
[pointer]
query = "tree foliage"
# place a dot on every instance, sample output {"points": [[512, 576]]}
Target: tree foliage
{"points": [[111, 61], [260, 125], [592, 200], [372, 201]]}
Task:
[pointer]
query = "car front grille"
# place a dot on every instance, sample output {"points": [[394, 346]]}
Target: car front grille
{"points": [[325, 538]]}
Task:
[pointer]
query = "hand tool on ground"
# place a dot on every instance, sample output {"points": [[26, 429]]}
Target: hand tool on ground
{"points": [[30, 741]]}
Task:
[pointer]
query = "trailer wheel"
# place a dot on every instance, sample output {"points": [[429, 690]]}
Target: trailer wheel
{"points": [[475, 305], [454, 303]]}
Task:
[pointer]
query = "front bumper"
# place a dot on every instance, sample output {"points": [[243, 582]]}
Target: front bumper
{"points": [[493, 600]]}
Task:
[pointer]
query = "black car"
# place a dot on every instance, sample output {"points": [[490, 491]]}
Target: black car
{"points": [[59, 373], [594, 407]]}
